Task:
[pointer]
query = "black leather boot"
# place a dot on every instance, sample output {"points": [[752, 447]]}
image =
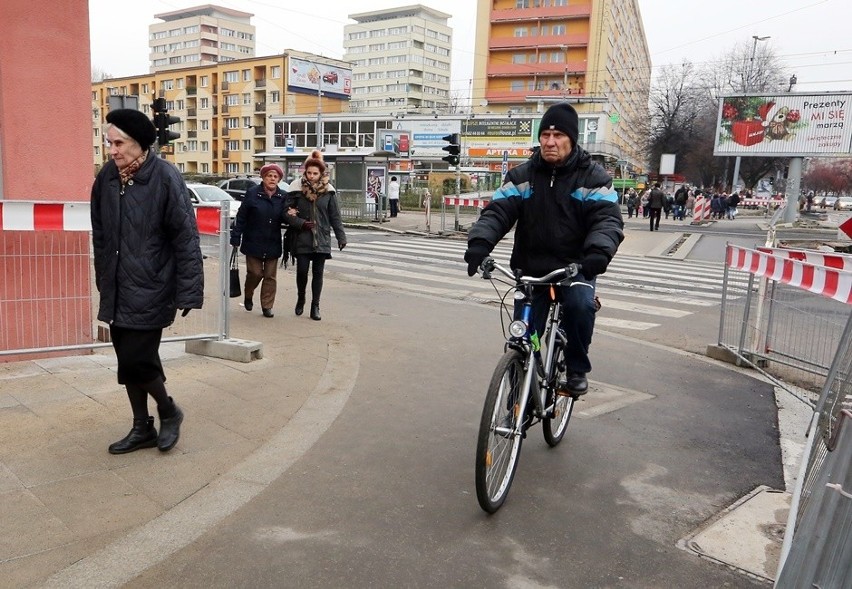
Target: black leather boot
{"points": [[169, 428], [300, 304], [315, 315], [142, 435]]}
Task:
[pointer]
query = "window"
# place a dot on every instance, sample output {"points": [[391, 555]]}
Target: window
{"points": [[180, 83], [275, 96], [247, 98], [180, 105], [522, 3], [521, 31], [246, 122], [275, 72], [558, 30], [168, 84], [519, 58], [205, 125], [398, 31], [246, 144], [205, 146], [205, 168], [233, 145], [232, 76], [205, 81], [205, 103], [233, 122], [517, 86], [246, 75], [192, 145], [232, 99]]}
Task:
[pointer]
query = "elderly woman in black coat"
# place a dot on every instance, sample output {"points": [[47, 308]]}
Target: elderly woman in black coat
{"points": [[148, 265]]}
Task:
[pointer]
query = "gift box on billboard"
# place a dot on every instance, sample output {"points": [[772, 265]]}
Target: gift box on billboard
{"points": [[747, 132]]}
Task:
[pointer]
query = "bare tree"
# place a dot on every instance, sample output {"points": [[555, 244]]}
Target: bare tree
{"points": [[675, 108], [99, 75]]}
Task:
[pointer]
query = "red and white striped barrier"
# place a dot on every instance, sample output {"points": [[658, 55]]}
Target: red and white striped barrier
{"points": [[827, 259], [75, 216], [701, 209], [477, 202], [775, 264]]}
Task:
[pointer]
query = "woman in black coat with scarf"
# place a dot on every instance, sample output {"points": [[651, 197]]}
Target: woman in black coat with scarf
{"points": [[317, 214]]}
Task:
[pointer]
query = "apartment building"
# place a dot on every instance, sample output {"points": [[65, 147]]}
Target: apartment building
{"points": [[225, 107], [592, 53], [400, 60], [202, 35]]}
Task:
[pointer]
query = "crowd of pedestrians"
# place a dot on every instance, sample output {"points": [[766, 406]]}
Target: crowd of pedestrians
{"points": [[653, 203]]}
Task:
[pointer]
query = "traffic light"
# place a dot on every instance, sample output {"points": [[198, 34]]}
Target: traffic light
{"points": [[162, 121], [454, 148]]}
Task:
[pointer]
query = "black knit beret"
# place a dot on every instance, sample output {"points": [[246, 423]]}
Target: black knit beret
{"points": [[135, 124], [561, 117]]}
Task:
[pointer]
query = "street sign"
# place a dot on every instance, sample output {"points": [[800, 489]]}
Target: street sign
{"points": [[846, 227], [504, 167], [288, 145]]}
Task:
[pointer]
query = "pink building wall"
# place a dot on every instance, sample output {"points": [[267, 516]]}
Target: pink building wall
{"points": [[45, 155]]}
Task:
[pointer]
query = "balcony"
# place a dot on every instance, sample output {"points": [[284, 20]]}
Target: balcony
{"points": [[259, 130], [192, 134], [226, 131], [225, 109], [225, 85], [191, 90], [542, 13], [508, 96], [261, 83], [535, 69], [225, 154], [191, 113], [260, 106], [544, 42]]}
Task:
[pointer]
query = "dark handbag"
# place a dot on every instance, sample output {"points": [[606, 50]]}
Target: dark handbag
{"points": [[235, 275], [288, 246]]}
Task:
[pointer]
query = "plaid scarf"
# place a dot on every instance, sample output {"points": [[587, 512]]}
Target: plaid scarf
{"points": [[127, 173]]}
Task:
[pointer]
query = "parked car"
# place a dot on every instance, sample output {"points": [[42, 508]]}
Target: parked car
{"points": [[237, 187], [843, 203], [207, 195]]}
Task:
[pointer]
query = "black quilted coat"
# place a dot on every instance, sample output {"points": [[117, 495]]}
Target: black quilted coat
{"points": [[147, 252]]}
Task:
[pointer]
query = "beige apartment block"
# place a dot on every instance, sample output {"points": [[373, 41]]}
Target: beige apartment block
{"points": [[400, 60], [592, 53], [198, 36], [225, 108]]}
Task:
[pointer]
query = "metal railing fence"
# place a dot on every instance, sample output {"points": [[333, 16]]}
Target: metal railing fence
{"points": [[49, 300]]}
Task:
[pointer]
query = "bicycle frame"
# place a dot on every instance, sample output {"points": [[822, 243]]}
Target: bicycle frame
{"points": [[538, 372]]}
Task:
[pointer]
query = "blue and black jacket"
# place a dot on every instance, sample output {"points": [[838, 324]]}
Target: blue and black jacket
{"points": [[563, 213]]}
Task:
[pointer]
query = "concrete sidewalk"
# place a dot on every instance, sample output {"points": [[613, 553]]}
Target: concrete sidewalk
{"points": [[72, 512]]}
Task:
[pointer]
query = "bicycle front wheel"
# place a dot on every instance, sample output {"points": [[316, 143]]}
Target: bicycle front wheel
{"points": [[554, 427], [499, 445]]}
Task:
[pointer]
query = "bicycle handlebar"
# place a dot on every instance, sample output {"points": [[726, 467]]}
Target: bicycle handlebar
{"points": [[489, 265]]}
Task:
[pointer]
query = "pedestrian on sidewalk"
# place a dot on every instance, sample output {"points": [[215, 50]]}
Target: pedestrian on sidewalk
{"points": [[257, 232], [148, 264], [393, 196], [564, 210], [656, 202], [631, 203], [317, 213]]}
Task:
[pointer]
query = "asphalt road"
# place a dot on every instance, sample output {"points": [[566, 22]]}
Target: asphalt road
{"points": [[386, 497]]}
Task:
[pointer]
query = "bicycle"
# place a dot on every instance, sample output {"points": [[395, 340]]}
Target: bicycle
{"points": [[523, 388]]}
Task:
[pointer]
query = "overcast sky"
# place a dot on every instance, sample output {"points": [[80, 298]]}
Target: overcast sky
{"points": [[811, 37]]}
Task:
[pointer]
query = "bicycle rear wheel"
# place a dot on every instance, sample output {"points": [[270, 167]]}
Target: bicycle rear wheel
{"points": [[498, 445], [554, 427]]}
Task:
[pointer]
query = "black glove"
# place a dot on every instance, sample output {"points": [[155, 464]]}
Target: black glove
{"points": [[476, 252], [593, 264], [308, 225], [341, 245], [235, 242], [185, 312]]}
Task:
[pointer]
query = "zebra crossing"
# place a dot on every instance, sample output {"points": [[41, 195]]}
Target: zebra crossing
{"points": [[638, 292]]}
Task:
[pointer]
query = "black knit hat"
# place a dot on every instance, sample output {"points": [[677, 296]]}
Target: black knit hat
{"points": [[561, 117], [135, 124]]}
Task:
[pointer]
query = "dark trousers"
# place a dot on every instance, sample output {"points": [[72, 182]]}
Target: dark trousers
{"points": [[394, 206], [654, 216], [316, 262], [578, 320]]}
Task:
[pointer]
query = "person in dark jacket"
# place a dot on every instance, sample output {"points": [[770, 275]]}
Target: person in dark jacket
{"points": [[565, 211], [148, 265], [656, 202], [257, 232], [317, 214]]}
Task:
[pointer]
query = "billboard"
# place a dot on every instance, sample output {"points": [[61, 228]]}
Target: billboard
{"points": [[425, 136], [785, 125], [311, 77], [491, 137]]}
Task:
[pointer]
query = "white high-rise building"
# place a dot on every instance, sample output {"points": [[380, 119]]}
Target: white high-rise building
{"points": [[203, 35], [401, 60]]}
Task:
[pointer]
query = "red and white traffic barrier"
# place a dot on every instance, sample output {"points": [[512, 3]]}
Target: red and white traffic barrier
{"points": [[701, 209], [75, 216], [827, 259], [477, 202], [776, 264]]}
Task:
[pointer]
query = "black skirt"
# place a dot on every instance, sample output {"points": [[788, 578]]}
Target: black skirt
{"points": [[138, 353]]}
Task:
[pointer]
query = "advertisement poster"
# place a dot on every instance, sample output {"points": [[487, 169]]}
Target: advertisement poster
{"points": [[491, 137], [398, 142], [307, 76], [789, 125], [375, 184], [426, 136]]}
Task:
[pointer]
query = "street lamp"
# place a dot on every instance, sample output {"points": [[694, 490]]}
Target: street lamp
{"points": [[747, 89]]}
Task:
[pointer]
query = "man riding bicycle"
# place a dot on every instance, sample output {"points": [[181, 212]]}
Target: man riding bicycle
{"points": [[566, 212]]}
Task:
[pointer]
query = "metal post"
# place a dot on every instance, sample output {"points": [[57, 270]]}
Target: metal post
{"points": [[224, 270], [794, 179], [724, 304]]}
